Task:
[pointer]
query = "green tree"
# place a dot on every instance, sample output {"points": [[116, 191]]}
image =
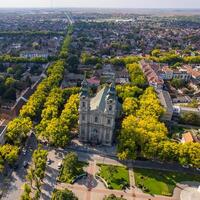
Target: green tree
{"points": [[9, 153], [130, 105], [136, 75], [70, 167], [18, 130], [63, 195], [10, 82], [26, 193], [113, 197], [177, 83], [190, 118]]}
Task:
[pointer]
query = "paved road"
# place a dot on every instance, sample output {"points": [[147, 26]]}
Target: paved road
{"points": [[89, 153], [51, 174], [12, 186]]}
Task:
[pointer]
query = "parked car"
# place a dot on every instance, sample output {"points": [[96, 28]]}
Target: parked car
{"points": [[48, 162], [25, 164], [24, 151], [59, 165], [15, 167]]}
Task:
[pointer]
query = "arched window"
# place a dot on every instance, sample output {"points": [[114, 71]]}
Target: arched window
{"points": [[110, 108], [83, 104], [96, 119]]}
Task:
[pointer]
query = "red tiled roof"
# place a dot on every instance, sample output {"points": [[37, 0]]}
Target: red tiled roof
{"points": [[188, 137]]}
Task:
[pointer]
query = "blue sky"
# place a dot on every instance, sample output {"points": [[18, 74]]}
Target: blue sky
{"points": [[103, 3]]}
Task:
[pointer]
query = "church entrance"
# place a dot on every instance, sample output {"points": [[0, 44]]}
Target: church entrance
{"points": [[94, 137]]}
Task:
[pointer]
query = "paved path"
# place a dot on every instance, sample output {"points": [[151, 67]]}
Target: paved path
{"points": [[90, 192]]}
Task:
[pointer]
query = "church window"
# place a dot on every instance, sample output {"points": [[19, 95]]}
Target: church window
{"points": [[107, 136], [108, 121], [96, 119], [83, 104], [110, 108], [82, 133]]}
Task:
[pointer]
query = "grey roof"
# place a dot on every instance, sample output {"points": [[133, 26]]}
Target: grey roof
{"points": [[2, 129], [99, 101], [165, 99]]}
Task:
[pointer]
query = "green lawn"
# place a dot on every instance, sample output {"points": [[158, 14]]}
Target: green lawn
{"points": [[68, 175], [117, 177], [160, 182]]}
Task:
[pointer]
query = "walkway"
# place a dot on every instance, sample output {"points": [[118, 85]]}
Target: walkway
{"points": [[91, 191]]}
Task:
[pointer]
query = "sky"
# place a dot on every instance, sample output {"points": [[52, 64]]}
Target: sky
{"points": [[102, 3]]}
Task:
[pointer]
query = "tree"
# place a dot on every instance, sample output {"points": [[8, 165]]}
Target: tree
{"points": [[10, 94], [36, 102], [113, 197], [177, 83], [156, 52], [1, 164], [136, 75], [69, 116], [63, 195], [69, 168], [30, 176], [10, 70], [39, 163], [126, 91], [18, 130], [10, 82], [56, 133], [26, 193], [130, 105], [190, 118], [9, 153]]}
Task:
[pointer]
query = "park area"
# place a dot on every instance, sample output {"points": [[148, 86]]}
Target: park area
{"points": [[161, 182], [117, 177]]}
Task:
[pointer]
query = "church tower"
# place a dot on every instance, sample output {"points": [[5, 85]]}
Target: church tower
{"points": [[110, 111], [84, 108]]}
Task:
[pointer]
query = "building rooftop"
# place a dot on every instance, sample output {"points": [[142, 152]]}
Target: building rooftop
{"points": [[99, 101], [188, 137], [165, 99]]}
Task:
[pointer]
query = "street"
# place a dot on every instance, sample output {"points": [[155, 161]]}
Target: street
{"points": [[12, 186]]}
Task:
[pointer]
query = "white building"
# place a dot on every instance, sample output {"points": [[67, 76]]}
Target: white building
{"points": [[97, 115]]}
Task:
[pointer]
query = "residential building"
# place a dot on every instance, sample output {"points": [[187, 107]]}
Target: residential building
{"points": [[166, 102], [34, 54]]}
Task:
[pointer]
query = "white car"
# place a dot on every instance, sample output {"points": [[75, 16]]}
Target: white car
{"points": [[59, 165], [48, 162]]}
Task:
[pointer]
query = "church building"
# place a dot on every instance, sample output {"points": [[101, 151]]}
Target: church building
{"points": [[97, 115]]}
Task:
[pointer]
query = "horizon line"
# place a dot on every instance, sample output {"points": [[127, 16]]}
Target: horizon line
{"points": [[52, 7]]}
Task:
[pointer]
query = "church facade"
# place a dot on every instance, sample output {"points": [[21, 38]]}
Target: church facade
{"points": [[97, 115]]}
